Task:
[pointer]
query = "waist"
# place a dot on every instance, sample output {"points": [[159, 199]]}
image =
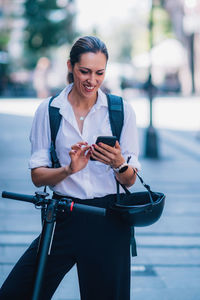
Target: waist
{"points": [[103, 202]]}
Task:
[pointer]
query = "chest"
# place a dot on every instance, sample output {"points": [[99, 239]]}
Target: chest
{"points": [[75, 130]]}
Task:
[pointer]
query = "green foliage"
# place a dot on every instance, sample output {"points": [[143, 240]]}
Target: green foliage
{"points": [[49, 23], [162, 25], [4, 39]]}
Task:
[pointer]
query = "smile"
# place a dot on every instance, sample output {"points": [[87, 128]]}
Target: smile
{"points": [[89, 88]]}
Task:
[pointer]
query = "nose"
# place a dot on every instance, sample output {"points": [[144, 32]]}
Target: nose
{"points": [[92, 79]]}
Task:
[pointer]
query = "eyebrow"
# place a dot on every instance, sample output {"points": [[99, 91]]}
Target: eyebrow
{"points": [[90, 69]]}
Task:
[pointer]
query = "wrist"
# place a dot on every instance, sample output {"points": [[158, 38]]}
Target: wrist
{"points": [[118, 163], [68, 171], [122, 168]]}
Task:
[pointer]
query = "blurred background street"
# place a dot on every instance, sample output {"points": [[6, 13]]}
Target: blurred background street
{"points": [[154, 49]]}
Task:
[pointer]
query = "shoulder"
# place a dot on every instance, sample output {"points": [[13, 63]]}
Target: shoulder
{"points": [[43, 105], [42, 110], [128, 111]]}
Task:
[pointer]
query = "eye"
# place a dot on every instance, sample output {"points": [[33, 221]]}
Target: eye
{"points": [[100, 73], [83, 72]]}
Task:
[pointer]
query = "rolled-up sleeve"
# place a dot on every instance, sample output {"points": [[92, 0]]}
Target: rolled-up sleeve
{"points": [[129, 137], [40, 138]]}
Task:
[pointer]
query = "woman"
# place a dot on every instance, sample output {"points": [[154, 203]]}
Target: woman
{"points": [[100, 247]]}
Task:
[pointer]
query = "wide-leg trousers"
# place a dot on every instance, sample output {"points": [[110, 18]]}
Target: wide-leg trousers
{"points": [[100, 248]]}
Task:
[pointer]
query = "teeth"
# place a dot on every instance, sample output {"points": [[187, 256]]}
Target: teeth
{"points": [[89, 87]]}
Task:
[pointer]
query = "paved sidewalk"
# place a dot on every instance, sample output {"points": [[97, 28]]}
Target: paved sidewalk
{"points": [[168, 262]]}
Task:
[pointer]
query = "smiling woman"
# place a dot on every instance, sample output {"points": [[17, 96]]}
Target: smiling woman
{"points": [[88, 75], [87, 175], [86, 66]]}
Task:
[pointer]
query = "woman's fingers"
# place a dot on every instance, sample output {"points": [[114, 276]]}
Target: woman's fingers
{"points": [[72, 153], [89, 153], [104, 148], [100, 156], [107, 151], [79, 145], [79, 150], [86, 148], [107, 154]]}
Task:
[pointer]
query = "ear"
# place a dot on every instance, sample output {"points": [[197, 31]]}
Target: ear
{"points": [[69, 66]]}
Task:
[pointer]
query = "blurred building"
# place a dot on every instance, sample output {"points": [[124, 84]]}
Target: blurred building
{"points": [[185, 16], [11, 41]]}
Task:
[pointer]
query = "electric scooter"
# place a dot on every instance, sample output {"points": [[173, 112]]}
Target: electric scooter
{"points": [[50, 207]]}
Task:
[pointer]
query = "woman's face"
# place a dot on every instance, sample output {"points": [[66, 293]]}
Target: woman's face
{"points": [[88, 73]]}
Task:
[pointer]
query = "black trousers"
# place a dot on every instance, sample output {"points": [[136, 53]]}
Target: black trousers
{"points": [[100, 248]]}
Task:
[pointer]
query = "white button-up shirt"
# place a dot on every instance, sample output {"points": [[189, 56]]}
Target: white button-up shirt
{"points": [[96, 179]]}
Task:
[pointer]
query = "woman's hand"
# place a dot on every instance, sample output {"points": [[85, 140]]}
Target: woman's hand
{"points": [[52, 176], [112, 156], [108, 155], [80, 155]]}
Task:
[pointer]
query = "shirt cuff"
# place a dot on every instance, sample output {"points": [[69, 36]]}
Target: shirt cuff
{"points": [[134, 162], [40, 158]]}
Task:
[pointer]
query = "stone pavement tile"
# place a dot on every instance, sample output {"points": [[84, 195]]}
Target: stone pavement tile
{"points": [[4, 271], [69, 288], [142, 285], [164, 257], [11, 254], [16, 238], [186, 277], [15, 222], [174, 224], [165, 294], [184, 141], [169, 241]]}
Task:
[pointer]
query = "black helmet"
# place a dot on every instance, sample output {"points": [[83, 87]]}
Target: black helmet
{"points": [[141, 208]]}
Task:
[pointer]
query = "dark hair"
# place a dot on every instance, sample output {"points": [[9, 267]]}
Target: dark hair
{"points": [[83, 45]]}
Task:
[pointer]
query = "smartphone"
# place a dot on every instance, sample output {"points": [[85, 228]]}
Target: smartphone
{"points": [[108, 140]]}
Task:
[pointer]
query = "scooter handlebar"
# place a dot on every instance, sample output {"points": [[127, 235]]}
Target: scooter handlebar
{"points": [[89, 209], [22, 197], [69, 205]]}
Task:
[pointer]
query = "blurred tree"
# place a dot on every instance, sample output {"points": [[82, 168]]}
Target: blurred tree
{"points": [[4, 39], [48, 23], [162, 25], [126, 45], [123, 34]]}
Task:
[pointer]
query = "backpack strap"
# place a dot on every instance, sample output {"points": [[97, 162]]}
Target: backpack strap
{"points": [[116, 114], [54, 121]]}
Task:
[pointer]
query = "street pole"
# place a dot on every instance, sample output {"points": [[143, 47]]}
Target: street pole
{"points": [[191, 42], [151, 143]]}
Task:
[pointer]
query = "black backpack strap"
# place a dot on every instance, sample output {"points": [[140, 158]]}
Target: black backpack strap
{"points": [[116, 114], [54, 121]]}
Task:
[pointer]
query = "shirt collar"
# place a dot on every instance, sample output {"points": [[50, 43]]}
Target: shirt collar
{"points": [[61, 101]]}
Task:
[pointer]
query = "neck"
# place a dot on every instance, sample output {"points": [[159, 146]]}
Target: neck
{"points": [[79, 101]]}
